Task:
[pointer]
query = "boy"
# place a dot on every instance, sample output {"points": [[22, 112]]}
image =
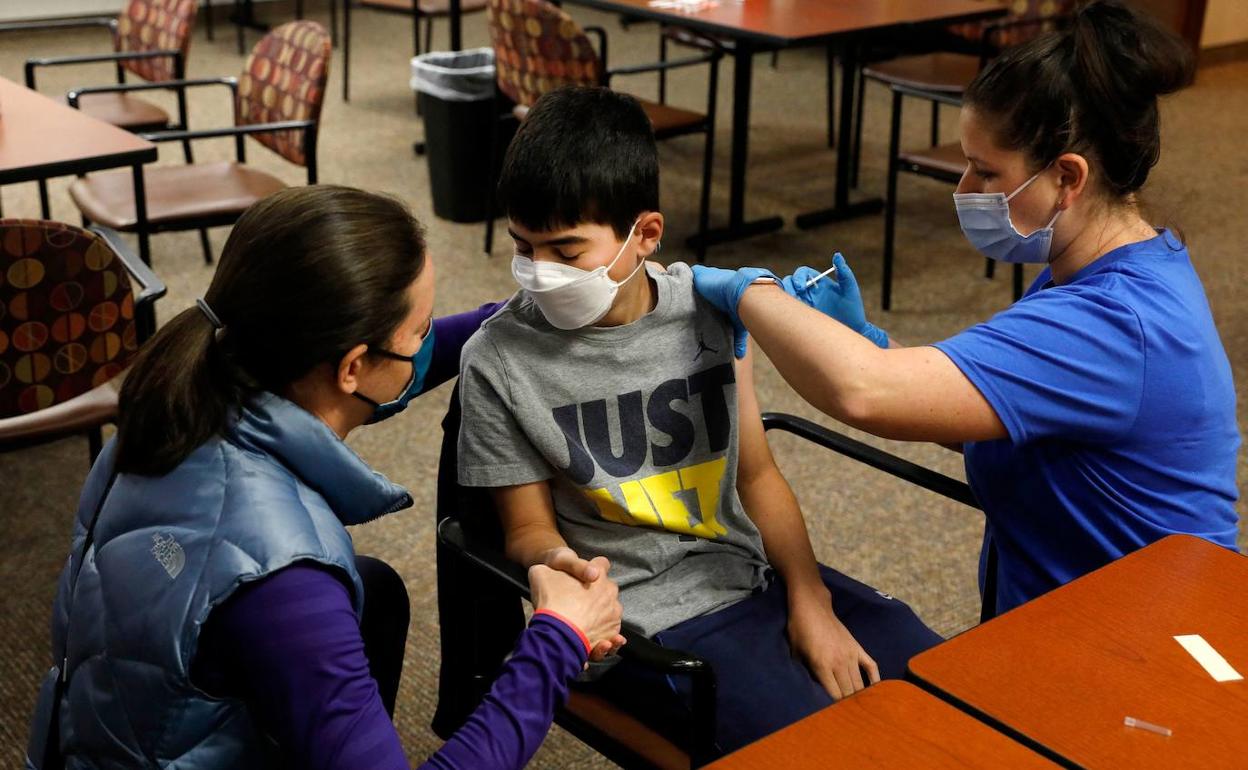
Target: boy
{"points": [[604, 408]]}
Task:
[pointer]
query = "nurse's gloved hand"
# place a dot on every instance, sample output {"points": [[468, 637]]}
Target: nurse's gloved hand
{"points": [[723, 289], [837, 296]]}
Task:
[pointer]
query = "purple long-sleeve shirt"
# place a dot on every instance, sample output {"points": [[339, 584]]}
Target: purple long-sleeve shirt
{"points": [[290, 646]]}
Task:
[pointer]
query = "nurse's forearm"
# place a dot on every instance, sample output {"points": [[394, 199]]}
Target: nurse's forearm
{"points": [[827, 364], [910, 394]]}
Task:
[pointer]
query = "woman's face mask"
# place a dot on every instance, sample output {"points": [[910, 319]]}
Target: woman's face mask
{"points": [[571, 298], [420, 361], [985, 221]]}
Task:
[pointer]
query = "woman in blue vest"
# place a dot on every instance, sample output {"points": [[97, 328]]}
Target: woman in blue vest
{"points": [[1097, 414], [213, 612]]}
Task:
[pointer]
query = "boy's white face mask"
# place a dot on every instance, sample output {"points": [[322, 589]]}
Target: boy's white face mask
{"points": [[569, 297]]}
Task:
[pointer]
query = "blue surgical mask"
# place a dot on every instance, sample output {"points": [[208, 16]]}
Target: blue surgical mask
{"points": [[420, 361], [985, 221]]}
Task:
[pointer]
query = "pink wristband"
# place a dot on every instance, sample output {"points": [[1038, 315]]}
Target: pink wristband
{"points": [[581, 634]]}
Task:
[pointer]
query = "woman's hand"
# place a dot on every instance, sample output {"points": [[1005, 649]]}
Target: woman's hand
{"points": [[723, 289], [593, 606], [831, 653], [836, 296]]}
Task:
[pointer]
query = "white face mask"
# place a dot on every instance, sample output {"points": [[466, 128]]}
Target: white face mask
{"points": [[569, 297], [985, 221]]}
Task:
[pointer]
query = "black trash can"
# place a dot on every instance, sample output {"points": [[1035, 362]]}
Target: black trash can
{"points": [[456, 93]]}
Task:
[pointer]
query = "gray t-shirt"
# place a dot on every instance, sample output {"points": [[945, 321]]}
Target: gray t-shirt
{"points": [[636, 428]]}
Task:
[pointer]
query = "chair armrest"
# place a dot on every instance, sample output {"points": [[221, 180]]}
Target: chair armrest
{"points": [[152, 288], [905, 470], [212, 133], [74, 95], [110, 22], [114, 56], [639, 648], [637, 69], [601, 34], [953, 100]]}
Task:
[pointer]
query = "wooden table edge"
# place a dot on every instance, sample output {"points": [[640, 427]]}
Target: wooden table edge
{"points": [[694, 23]]}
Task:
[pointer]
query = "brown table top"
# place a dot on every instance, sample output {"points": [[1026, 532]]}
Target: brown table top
{"points": [[890, 725], [1064, 670], [41, 138], [785, 22]]}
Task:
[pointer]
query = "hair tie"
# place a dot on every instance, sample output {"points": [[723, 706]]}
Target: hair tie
{"points": [[212, 317]]}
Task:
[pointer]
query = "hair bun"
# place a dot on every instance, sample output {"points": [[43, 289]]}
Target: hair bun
{"points": [[1128, 52]]}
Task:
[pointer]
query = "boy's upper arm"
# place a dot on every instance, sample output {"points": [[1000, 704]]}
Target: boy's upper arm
{"points": [[493, 449]]}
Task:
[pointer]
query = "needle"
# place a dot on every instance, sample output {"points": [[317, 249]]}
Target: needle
{"points": [[825, 273]]}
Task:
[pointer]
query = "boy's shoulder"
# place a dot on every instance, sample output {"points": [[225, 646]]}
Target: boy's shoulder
{"points": [[507, 322]]}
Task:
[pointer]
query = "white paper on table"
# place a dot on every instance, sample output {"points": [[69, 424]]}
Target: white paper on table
{"points": [[1208, 658]]}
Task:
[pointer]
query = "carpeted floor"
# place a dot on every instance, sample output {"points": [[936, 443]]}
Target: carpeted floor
{"points": [[901, 540]]}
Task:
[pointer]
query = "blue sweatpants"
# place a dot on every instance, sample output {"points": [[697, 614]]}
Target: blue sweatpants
{"points": [[761, 685]]}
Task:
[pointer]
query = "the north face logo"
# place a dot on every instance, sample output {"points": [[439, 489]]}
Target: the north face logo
{"points": [[169, 554]]}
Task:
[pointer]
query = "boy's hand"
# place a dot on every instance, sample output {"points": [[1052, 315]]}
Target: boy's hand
{"points": [[723, 289], [565, 559], [827, 647]]}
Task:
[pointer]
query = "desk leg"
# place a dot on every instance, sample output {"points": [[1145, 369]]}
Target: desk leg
{"points": [[45, 207], [346, 50], [842, 209], [455, 14], [738, 228], [148, 312]]}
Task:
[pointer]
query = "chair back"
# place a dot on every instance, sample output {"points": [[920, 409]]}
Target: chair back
{"points": [[156, 25], [66, 314], [1047, 14], [284, 79], [537, 49]]}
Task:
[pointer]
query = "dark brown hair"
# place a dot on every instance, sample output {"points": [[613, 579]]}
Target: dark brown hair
{"points": [[1090, 88], [307, 274]]}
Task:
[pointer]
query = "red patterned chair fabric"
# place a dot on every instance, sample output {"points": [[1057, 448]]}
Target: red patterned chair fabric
{"points": [[1019, 10], [284, 79], [155, 25], [537, 49], [66, 314]]}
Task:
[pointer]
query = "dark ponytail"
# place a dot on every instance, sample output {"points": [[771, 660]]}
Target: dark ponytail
{"points": [[1091, 89], [307, 274]]}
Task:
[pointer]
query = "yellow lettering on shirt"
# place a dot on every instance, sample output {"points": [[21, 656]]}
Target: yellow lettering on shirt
{"points": [[655, 501]]}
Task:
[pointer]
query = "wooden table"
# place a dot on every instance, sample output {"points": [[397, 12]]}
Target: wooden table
{"points": [[890, 725], [41, 138], [1062, 671], [755, 24]]}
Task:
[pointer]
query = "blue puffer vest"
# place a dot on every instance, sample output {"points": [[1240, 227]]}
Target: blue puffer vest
{"points": [[276, 489]]}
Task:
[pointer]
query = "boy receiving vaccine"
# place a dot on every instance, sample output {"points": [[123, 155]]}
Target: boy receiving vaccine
{"points": [[604, 408]]}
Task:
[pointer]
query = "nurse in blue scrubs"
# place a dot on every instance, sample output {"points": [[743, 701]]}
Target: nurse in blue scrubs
{"points": [[1097, 414]]}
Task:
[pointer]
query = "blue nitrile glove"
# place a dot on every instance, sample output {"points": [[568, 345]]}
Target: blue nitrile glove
{"points": [[723, 289], [837, 296]]}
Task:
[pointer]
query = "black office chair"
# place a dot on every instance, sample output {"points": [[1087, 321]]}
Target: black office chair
{"points": [[481, 616]]}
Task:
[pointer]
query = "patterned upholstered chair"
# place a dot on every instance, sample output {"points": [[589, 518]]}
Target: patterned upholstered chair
{"points": [[150, 41], [539, 48], [277, 102], [941, 78], [70, 323]]}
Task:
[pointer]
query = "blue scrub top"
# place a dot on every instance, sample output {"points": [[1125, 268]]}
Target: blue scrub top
{"points": [[1120, 406]]}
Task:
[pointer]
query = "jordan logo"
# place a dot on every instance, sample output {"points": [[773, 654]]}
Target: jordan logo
{"points": [[169, 554], [703, 347]]}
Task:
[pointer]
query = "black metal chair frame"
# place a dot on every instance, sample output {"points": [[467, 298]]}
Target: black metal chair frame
{"points": [[243, 20], [151, 288], [705, 126], [239, 132], [416, 15], [987, 50], [475, 561], [118, 57]]}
